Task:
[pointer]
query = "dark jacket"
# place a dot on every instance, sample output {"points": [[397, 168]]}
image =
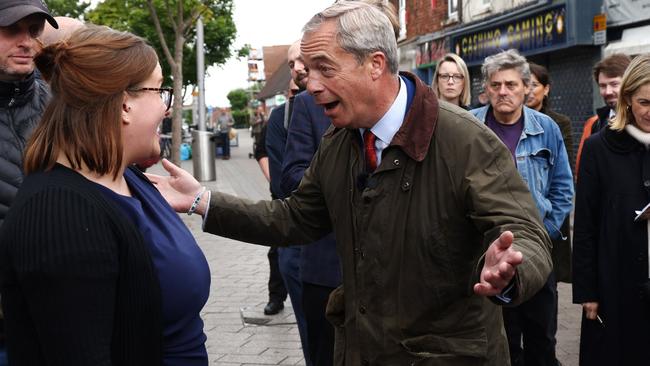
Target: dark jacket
{"points": [[562, 246], [592, 125], [274, 141], [21, 106], [77, 279], [610, 249], [411, 240], [319, 262]]}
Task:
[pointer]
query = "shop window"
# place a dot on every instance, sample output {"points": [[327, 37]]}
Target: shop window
{"points": [[452, 9]]}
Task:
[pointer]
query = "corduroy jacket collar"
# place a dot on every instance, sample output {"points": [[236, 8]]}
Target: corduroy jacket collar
{"points": [[416, 132]]}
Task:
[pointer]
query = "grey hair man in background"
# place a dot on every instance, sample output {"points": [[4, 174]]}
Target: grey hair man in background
{"points": [[537, 149]]}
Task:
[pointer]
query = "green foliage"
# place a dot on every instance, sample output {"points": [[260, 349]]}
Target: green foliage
{"points": [[72, 9], [241, 118], [134, 16], [188, 117], [238, 99]]}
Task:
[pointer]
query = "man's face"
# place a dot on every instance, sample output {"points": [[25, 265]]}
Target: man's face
{"points": [[609, 88], [336, 79], [18, 46], [298, 70], [507, 93]]}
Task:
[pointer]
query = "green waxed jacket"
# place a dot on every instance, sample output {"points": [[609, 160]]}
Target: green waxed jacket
{"points": [[411, 241]]}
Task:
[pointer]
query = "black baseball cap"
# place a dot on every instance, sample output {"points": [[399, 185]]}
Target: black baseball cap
{"points": [[12, 11]]}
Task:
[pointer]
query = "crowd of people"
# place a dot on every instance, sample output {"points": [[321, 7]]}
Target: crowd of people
{"points": [[406, 227]]}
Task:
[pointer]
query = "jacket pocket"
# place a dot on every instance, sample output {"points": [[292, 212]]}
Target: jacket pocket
{"points": [[469, 344], [541, 162]]}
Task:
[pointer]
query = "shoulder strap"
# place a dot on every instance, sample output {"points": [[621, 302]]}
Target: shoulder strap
{"points": [[287, 113]]}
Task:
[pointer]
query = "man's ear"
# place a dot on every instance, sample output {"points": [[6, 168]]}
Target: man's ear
{"points": [[378, 64]]}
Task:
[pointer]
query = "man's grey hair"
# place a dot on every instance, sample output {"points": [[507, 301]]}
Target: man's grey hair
{"points": [[506, 60], [361, 30]]}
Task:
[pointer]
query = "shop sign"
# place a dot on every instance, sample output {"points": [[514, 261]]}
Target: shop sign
{"points": [[429, 52], [535, 32]]}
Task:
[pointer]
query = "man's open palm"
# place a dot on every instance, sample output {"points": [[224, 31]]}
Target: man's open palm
{"points": [[500, 266]]}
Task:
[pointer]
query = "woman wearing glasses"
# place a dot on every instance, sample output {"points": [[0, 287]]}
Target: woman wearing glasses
{"points": [[96, 268], [451, 81]]}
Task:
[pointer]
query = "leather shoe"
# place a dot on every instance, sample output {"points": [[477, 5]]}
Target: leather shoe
{"points": [[273, 308]]}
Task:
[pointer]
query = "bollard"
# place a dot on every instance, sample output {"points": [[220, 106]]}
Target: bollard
{"points": [[203, 161]]}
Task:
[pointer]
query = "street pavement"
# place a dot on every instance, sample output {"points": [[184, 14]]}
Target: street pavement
{"points": [[238, 332]]}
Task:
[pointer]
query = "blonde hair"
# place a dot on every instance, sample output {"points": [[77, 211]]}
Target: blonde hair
{"points": [[636, 76], [465, 97]]}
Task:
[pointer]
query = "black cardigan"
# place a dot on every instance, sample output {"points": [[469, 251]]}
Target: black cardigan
{"points": [[78, 283]]}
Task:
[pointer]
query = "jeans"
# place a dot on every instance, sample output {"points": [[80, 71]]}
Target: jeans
{"points": [[289, 260]]}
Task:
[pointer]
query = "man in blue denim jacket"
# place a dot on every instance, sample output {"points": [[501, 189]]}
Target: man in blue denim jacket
{"points": [[537, 148]]}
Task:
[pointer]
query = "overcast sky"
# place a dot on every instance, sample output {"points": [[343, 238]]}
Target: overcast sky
{"points": [[259, 23]]}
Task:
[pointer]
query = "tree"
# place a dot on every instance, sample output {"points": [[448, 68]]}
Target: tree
{"points": [[169, 25], [238, 99], [67, 8]]}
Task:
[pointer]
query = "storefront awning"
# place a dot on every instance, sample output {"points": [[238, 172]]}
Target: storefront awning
{"points": [[634, 41]]}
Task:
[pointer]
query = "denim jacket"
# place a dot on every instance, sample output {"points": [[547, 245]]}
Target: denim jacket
{"points": [[543, 163]]}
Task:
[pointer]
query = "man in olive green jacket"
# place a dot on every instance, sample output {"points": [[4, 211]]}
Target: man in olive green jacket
{"points": [[426, 238]]}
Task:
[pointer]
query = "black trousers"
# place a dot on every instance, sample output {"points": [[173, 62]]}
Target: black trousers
{"points": [[277, 291], [536, 321], [320, 333]]}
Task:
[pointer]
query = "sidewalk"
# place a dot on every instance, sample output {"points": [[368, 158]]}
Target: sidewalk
{"points": [[239, 284]]}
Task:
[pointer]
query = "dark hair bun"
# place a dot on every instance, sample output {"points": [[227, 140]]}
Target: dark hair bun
{"points": [[48, 58]]}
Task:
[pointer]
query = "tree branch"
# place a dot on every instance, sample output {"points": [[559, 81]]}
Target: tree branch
{"points": [[161, 35], [170, 16], [194, 17]]}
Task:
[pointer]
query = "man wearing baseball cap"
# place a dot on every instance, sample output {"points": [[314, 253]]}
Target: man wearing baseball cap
{"points": [[22, 95]]}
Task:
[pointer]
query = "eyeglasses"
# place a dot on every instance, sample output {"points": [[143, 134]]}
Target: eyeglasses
{"points": [[165, 95], [453, 77]]}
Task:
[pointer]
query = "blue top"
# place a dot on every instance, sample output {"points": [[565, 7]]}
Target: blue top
{"points": [[182, 270]]}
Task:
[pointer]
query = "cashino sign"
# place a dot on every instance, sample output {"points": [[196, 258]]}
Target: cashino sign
{"points": [[528, 34]]}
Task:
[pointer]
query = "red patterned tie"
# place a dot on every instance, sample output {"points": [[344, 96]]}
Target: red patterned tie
{"points": [[369, 150]]}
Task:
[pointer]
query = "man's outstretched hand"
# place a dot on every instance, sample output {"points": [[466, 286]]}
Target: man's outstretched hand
{"points": [[499, 267], [179, 188]]}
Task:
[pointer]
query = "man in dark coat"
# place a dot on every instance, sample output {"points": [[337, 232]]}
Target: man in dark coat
{"points": [[608, 74], [320, 271], [434, 226], [22, 94], [276, 141]]}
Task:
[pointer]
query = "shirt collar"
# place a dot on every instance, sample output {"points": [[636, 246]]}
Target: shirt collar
{"points": [[392, 120]]}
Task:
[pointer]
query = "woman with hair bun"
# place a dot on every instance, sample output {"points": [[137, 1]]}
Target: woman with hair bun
{"points": [[95, 267]]}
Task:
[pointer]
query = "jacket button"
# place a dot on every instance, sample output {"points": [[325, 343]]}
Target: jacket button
{"points": [[406, 185], [396, 162], [362, 309], [646, 183]]}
